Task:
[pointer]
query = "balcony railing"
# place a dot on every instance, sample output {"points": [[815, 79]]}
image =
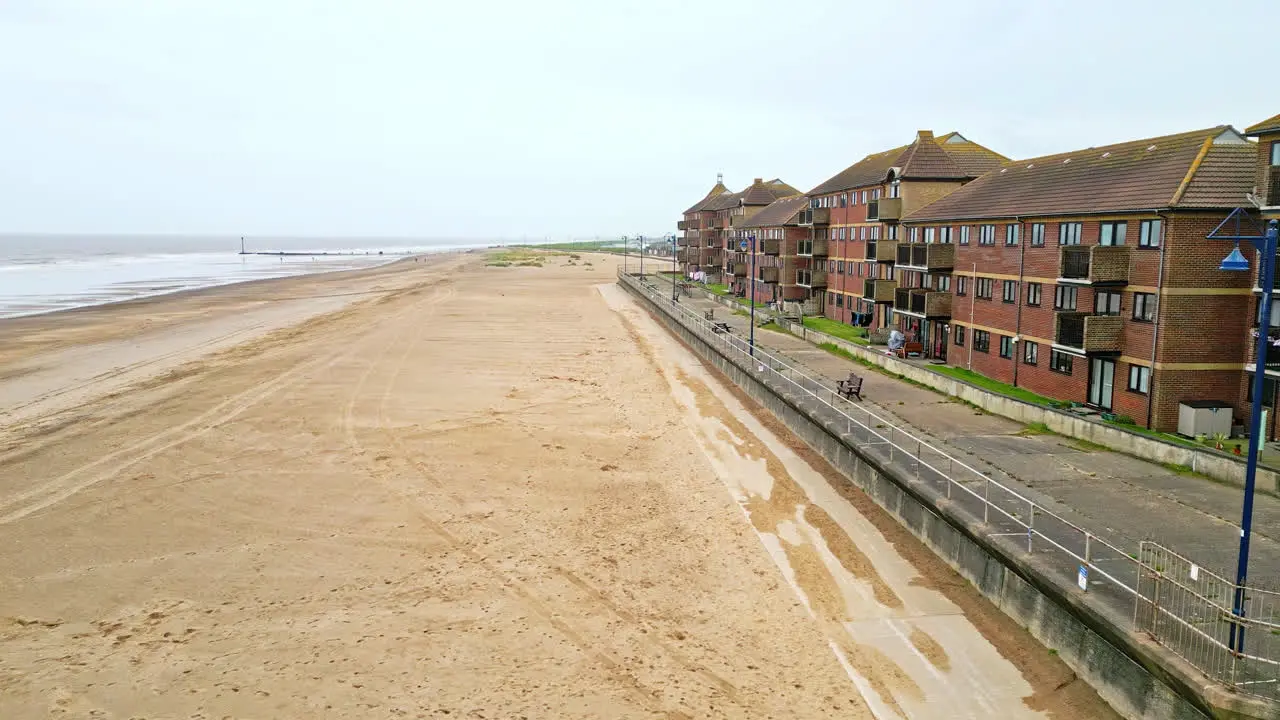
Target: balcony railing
{"points": [[1090, 333], [815, 216], [881, 291], [682, 225], [923, 301], [884, 250], [1273, 186], [771, 247], [926, 256], [889, 209], [767, 274], [811, 278], [1097, 264], [1272, 364], [737, 269], [813, 247]]}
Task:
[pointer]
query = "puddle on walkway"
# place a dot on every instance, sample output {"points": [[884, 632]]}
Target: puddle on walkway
{"points": [[908, 649]]}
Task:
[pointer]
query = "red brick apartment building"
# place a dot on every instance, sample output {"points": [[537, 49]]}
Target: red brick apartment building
{"points": [[776, 235], [1266, 189], [699, 244], [853, 220], [737, 211], [1086, 276]]}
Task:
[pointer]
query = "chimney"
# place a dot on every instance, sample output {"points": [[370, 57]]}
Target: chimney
{"points": [[719, 178], [924, 134], [758, 181]]}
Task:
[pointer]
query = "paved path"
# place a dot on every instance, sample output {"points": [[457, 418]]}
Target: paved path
{"points": [[1121, 498]]}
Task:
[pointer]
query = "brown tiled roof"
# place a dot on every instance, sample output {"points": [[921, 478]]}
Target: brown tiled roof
{"points": [[779, 212], [1271, 124], [946, 157], [1153, 173], [723, 201], [973, 158], [763, 193], [925, 159], [716, 191]]}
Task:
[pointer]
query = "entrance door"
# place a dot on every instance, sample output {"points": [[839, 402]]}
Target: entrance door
{"points": [[1102, 375]]}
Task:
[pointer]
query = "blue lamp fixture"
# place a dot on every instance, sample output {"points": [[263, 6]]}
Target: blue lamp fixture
{"points": [[1265, 243]]}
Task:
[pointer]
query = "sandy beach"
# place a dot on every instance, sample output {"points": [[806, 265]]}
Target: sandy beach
{"points": [[439, 489]]}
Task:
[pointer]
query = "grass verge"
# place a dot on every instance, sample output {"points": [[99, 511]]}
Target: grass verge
{"points": [[994, 386], [838, 330]]}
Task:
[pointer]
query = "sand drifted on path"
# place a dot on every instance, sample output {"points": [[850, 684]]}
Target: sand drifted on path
{"points": [[475, 492]]}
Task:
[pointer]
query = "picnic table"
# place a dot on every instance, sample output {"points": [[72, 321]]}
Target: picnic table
{"points": [[721, 327]]}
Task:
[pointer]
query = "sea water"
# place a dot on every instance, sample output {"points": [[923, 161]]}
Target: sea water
{"points": [[47, 273]]}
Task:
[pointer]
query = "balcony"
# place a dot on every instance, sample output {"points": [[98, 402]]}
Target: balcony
{"points": [[814, 247], [883, 250], [881, 291], [767, 274], [922, 302], [683, 225], [1094, 334], [815, 216], [771, 247], [717, 223], [1272, 363], [736, 269], [682, 256], [889, 209], [811, 278], [1094, 264], [1273, 186], [927, 257]]}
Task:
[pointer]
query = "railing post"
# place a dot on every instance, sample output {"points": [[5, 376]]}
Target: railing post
{"points": [[986, 501], [1031, 523]]}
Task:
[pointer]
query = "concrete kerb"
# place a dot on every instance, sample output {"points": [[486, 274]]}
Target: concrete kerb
{"points": [[1140, 679]]}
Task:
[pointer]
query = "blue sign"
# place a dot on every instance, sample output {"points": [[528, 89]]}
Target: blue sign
{"points": [[742, 245]]}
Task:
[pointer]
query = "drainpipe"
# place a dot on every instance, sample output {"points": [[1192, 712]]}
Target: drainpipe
{"points": [[1155, 331], [1017, 325], [973, 288]]}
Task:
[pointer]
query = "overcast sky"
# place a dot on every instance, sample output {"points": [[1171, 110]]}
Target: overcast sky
{"points": [[560, 117]]}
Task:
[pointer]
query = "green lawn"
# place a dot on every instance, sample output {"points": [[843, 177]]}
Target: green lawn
{"points": [[746, 303], [717, 289], [994, 386], [837, 329], [1167, 437]]}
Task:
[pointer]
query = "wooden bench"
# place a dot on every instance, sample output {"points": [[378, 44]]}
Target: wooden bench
{"points": [[851, 388], [709, 314], [721, 327], [909, 349]]}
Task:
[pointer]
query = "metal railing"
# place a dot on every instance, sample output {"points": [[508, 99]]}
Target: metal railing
{"points": [[1111, 577]]}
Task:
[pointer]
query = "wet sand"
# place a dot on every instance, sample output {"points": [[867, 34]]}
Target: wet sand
{"points": [[464, 492]]}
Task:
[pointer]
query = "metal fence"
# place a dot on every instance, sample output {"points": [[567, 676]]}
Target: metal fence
{"points": [[1157, 590]]}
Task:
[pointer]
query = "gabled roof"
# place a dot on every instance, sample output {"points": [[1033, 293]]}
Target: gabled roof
{"points": [[724, 201], [951, 156], [779, 212], [1210, 168], [763, 193], [716, 191], [1271, 124]]}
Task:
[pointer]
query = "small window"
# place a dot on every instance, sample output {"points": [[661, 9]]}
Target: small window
{"points": [[1144, 307], [875, 193], [864, 197], [1037, 235], [913, 234], [961, 282], [928, 234], [944, 236], [1268, 392], [1112, 233], [964, 234], [891, 232], [1149, 234], [982, 288], [831, 298], [944, 283], [862, 233], [1060, 362], [1064, 298], [1033, 294], [840, 267], [840, 301], [1011, 234], [981, 341], [1030, 353], [986, 234], [960, 335], [844, 199], [1010, 292], [860, 267], [1275, 154], [1106, 303], [1069, 234], [1139, 379], [1006, 346]]}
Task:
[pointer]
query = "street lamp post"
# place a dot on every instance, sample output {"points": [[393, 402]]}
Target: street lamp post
{"points": [[1236, 262], [642, 257], [751, 299], [675, 270], [624, 254]]}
